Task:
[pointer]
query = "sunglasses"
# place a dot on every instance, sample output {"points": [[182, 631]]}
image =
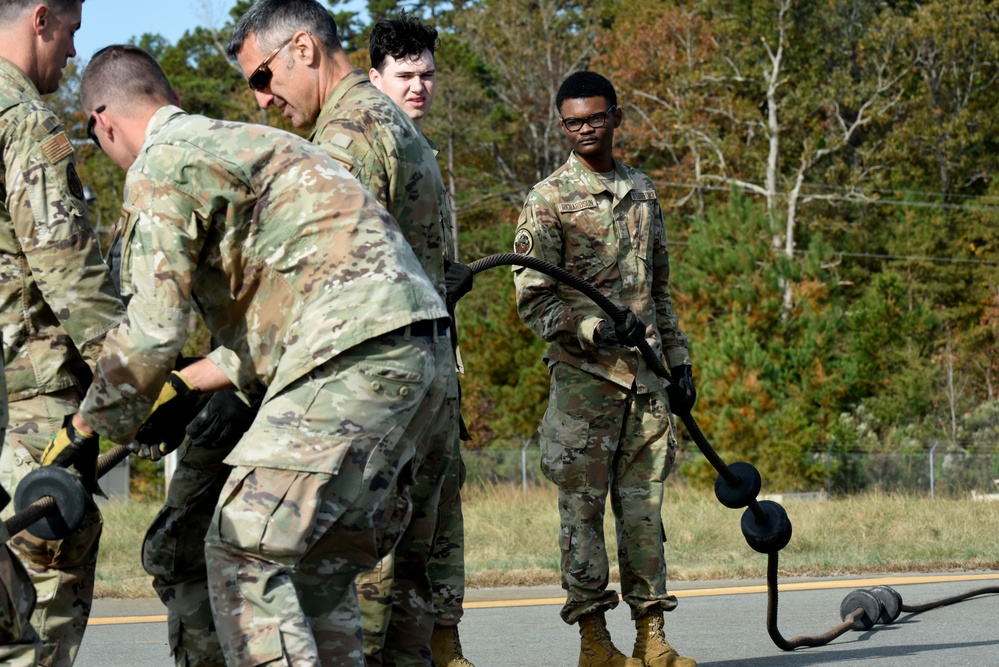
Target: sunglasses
{"points": [[261, 77], [594, 121], [93, 122]]}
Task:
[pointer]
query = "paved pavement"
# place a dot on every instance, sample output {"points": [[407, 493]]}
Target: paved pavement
{"points": [[721, 624]]}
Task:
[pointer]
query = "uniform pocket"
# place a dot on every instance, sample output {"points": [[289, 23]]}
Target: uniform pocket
{"points": [[129, 217], [591, 247], [563, 447], [272, 512]]}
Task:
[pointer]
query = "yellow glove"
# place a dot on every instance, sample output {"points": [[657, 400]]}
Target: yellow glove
{"points": [[164, 429], [69, 448]]}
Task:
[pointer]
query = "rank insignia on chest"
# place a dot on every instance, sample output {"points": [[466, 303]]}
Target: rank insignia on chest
{"points": [[523, 242]]}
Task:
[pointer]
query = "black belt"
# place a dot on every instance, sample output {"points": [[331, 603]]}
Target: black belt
{"points": [[425, 328]]}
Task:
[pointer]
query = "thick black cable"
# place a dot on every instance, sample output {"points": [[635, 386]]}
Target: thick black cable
{"points": [[919, 608]]}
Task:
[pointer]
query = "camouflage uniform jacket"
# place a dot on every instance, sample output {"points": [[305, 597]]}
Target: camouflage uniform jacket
{"points": [[56, 292], [286, 257], [378, 143], [615, 240], [444, 202]]}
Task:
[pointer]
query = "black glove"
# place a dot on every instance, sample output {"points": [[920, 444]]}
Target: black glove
{"points": [[164, 428], [222, 421], [69, 447], [458, 280], [681, 390], [629, 333]]}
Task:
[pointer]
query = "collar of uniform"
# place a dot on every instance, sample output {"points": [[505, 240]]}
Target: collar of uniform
{"points": [[354, 78], [158, 120], [623, 183], [18, 76], [430, 142]]}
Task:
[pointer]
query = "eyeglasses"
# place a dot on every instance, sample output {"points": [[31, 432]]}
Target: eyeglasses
{"points": [[594, 121], [261, 76], [93, 122]]}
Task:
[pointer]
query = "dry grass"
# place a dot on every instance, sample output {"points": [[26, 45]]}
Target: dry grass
{"points": [[119, 562], [512, 538]]}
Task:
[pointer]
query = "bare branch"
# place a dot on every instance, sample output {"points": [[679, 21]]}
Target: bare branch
{"points": [[745, 185]]}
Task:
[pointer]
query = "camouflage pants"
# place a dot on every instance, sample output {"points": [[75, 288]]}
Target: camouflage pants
{"points": [[396, 598], [19, 644], [598, 439], [173, 552], [319, 492], [446, 568], [62, 571], [447, 561]]}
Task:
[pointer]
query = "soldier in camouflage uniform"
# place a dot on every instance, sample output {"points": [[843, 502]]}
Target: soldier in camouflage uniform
{"points": [[19, 643], [308, 76], [402, 66], [319, 306], [58, 301], [607, 427]]}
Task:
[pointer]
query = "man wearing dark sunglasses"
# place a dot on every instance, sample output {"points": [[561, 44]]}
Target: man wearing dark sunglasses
{"points": [[314, 84], [283, 254], [607, 429], [59, 303]]}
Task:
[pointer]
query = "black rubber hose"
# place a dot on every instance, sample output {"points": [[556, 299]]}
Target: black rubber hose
{"points": [[798, 642], [926, 606]]}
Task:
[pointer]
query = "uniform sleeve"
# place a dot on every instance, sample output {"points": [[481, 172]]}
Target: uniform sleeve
{"points": [[240, 371], [161, 244], [674, 340], [45, 201], [539, 234]]}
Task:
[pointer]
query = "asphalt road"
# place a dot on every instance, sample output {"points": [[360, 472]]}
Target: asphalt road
{"points": [[721, 624]]}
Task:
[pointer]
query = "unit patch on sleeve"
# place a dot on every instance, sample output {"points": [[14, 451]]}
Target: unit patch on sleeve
{"points": [[57, 148], [523, 243], [643, 195], [73, 180]]}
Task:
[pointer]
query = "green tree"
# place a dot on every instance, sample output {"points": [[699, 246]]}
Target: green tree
{"points": [[770, 380]]}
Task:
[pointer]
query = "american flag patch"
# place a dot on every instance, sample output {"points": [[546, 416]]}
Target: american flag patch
{"points": [[57, 148]]}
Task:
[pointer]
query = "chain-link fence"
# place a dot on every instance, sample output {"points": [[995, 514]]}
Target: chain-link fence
{"points": [[932, 473]]}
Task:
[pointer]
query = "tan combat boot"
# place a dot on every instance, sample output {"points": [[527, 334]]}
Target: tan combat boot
{"points": [[446, 647], [651, 646], [596, 649]]}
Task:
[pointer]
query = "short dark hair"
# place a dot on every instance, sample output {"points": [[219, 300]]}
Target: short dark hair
{"points": [[275, 21], [581, 85], [11, 10], [402, 36], [121, 74]]}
